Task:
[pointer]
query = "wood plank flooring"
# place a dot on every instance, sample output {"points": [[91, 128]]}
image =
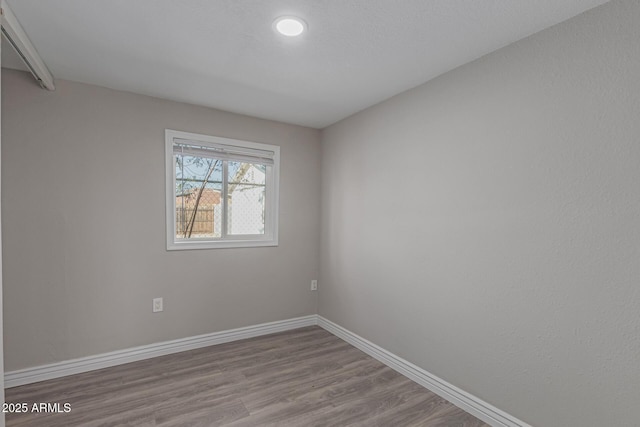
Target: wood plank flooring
{"points": [[304, 377]]}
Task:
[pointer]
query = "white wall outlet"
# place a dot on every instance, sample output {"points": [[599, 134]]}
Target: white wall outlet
{"points": [[314, 285], [158, 305]]}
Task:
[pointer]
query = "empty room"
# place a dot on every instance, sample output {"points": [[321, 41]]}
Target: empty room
{"points": [[320, 213]]}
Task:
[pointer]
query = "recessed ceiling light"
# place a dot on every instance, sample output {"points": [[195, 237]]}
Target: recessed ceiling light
{"points": [[289, 26]]}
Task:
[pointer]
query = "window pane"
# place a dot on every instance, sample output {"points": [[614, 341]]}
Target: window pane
{"points": [[246, 193], [198, 197]]}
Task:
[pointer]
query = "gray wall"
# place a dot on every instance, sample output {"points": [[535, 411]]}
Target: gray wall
{"points": [[83, 202], [1, 311], [486, 225]]}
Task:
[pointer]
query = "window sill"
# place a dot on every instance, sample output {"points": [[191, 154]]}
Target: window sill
{"points": [[223, 244]]}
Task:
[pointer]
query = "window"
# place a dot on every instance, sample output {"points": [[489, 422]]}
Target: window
{"points": [[221, 193]]}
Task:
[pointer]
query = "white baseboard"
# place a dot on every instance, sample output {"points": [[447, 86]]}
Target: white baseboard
{"points": [[105, 360], [453, 394]]}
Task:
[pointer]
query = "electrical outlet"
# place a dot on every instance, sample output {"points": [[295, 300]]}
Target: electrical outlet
{"points": [[314, 285], [158, 305]]}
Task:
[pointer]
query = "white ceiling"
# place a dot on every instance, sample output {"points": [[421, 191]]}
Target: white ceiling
{"points": [[224, 53]]}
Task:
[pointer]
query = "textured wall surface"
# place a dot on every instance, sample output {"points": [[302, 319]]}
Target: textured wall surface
{"points": [[1, 310], [486, 225], [83, 206]]}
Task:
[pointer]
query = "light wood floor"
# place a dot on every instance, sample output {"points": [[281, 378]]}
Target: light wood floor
{"points": [[304, 377]]}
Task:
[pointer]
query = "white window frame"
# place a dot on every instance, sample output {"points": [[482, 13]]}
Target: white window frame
{"points": [[269, 238]]}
